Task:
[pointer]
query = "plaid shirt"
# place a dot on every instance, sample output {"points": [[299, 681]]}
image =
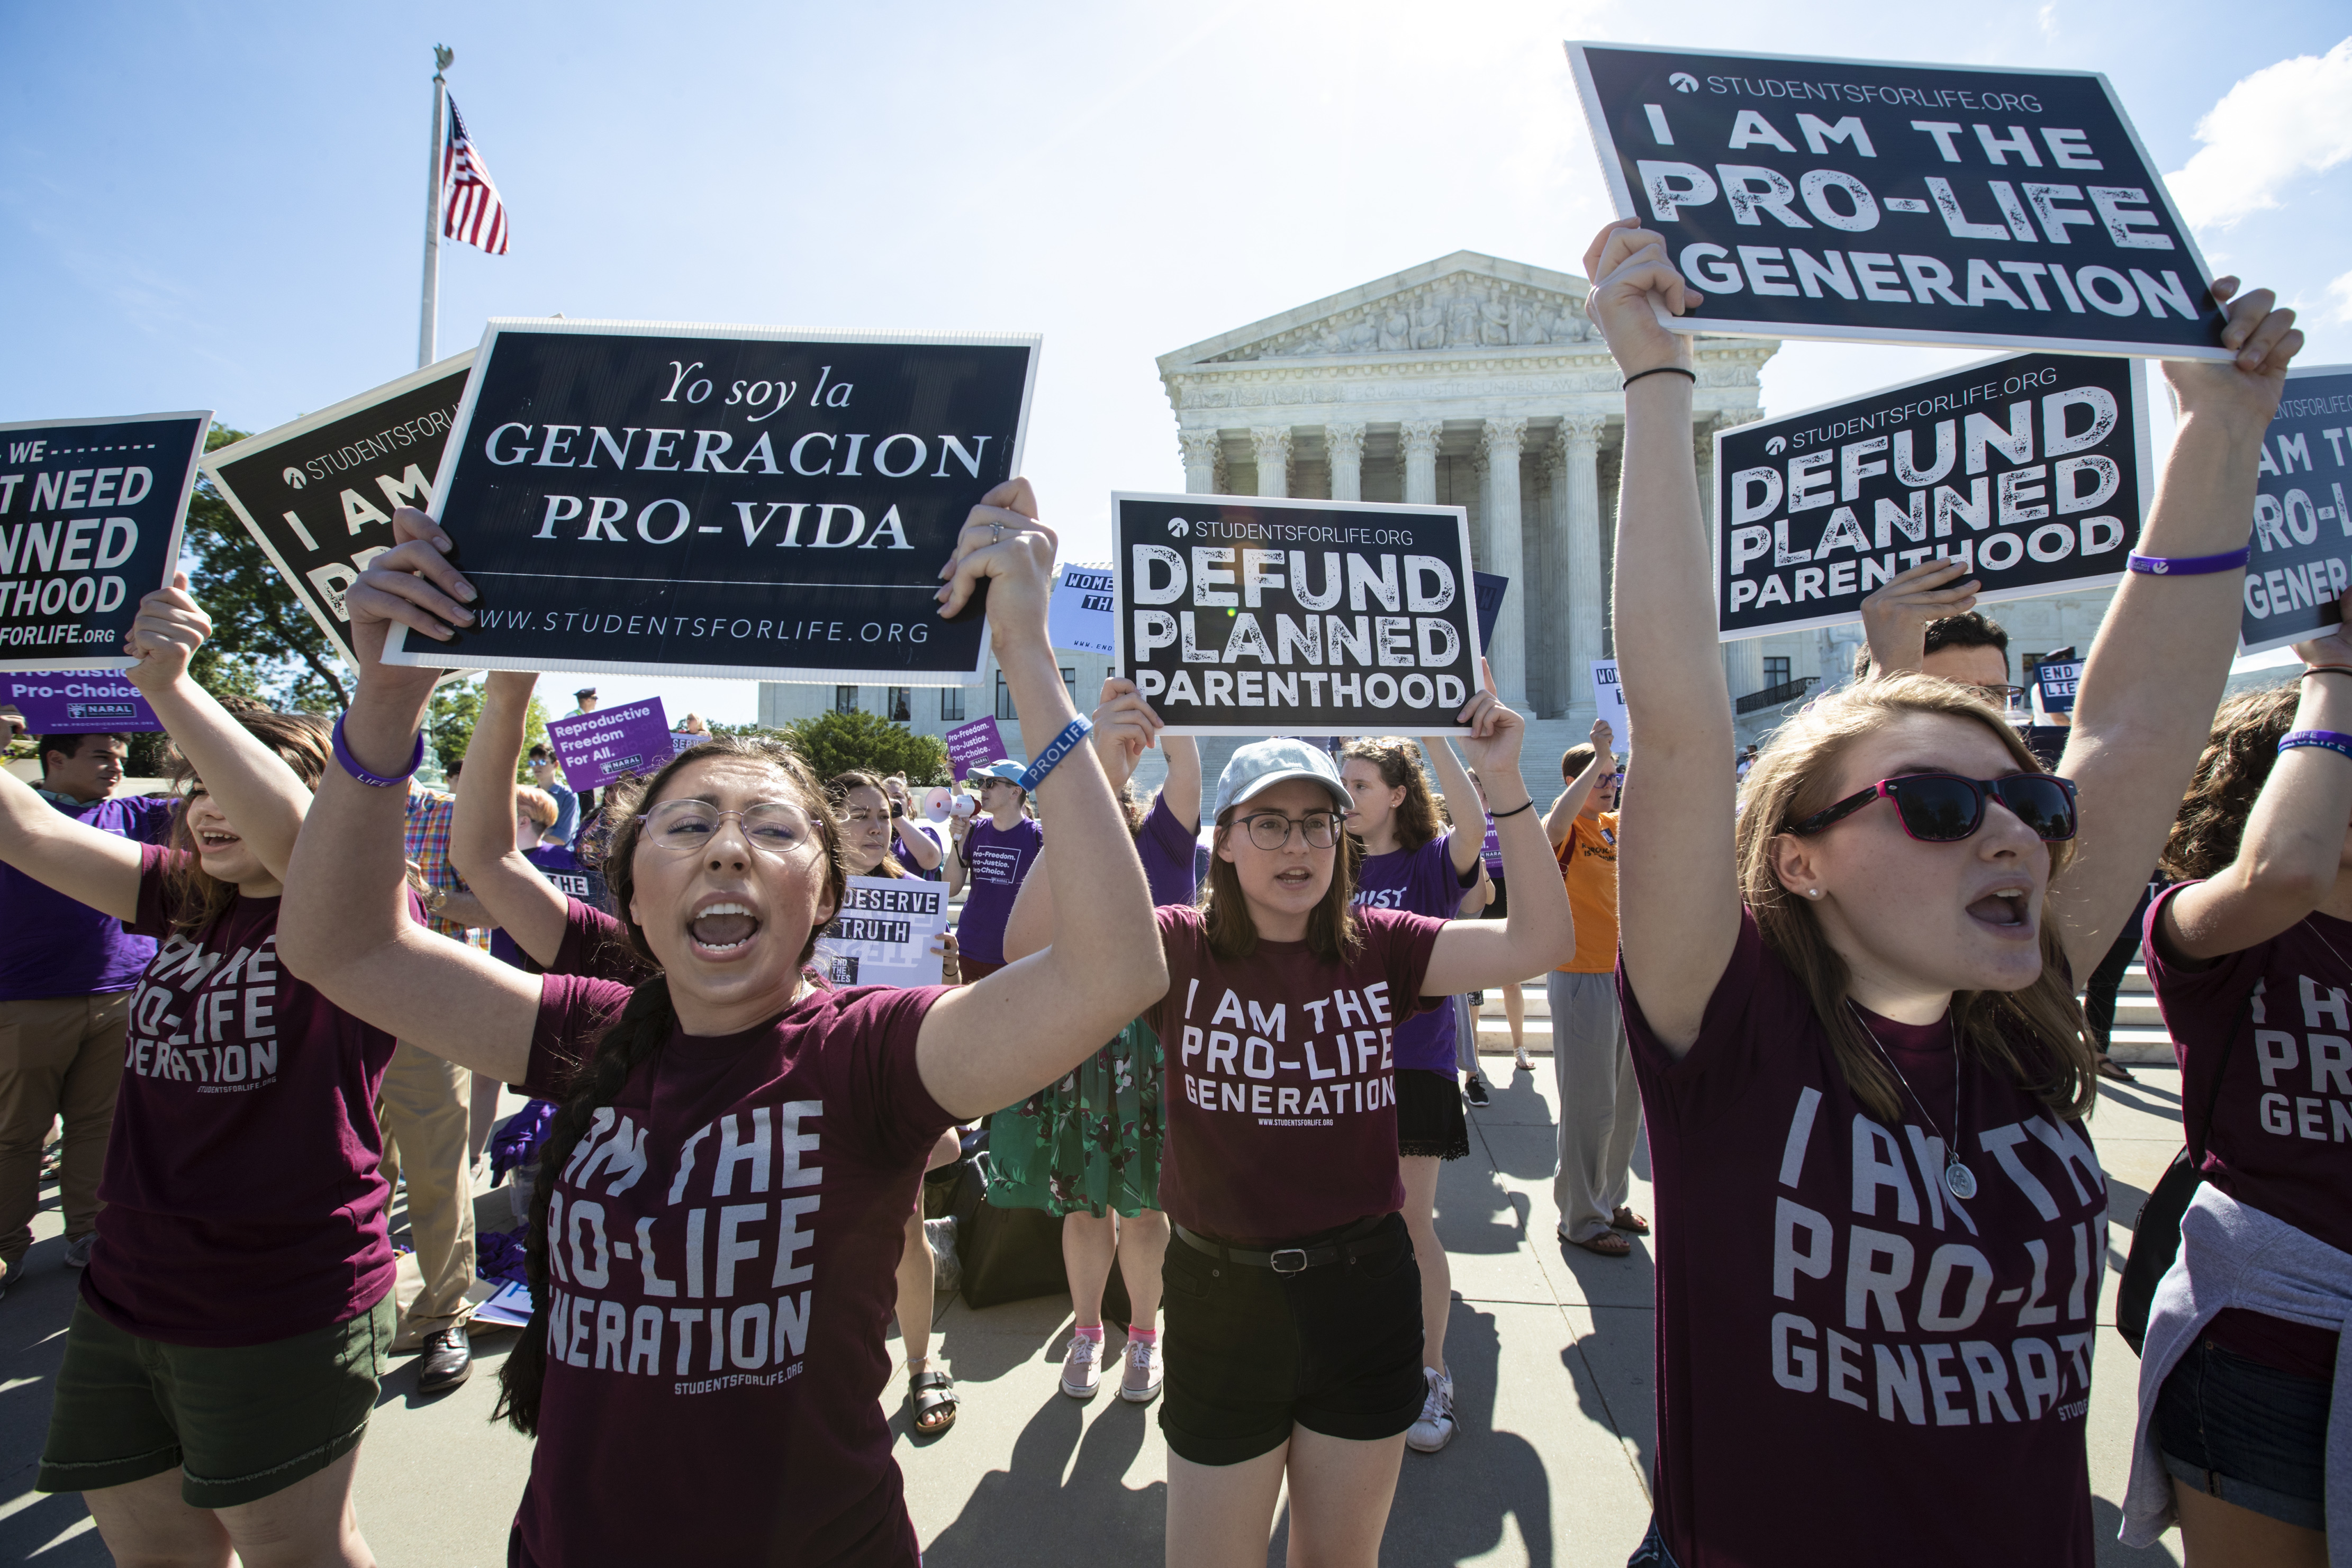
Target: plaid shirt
{"points": [[430, 814]]}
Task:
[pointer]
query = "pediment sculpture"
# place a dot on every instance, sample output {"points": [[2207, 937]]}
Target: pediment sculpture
{"points": [[1456, 312]]}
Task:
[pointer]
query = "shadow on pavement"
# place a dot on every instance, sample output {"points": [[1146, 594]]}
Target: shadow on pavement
{"points": [[1028, 1514], [1450, 1505]]}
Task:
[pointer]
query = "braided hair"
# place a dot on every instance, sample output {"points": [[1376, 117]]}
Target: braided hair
{"points": [[637, 1035]]}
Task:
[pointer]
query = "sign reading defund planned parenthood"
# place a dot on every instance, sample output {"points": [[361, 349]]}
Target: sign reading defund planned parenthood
{"points": [[1811, 198], [2303, 521], [318, 494], [2033, 471], [89, 523], [1278, 617], [731, 501]]}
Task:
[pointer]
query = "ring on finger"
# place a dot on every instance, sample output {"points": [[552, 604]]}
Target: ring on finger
{"points": [[996, 537]]}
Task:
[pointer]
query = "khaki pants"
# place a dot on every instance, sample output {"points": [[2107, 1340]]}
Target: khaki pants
{"points": [[59, 1056], [422, 1111], [1600, 1103]]}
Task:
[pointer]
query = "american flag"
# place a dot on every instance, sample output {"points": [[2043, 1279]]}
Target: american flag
{"points": [[469, 196]]}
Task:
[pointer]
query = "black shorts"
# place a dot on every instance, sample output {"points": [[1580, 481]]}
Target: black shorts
{"points": [[2246, 1432], [1501, 908], [1430, 1123], [1250, 1353]]}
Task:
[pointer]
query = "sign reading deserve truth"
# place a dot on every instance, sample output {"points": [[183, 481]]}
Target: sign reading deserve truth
{"points": [[2302, 559], [730, 501], [885, 932], [1859, 199], [1279, 617], [2034, 471], [318, 494], [90, 511]]}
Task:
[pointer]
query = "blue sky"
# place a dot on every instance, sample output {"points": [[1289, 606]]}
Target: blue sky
{"points": [[222, 205]]}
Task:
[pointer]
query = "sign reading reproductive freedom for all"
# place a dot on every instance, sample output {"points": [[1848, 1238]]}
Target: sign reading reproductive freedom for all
{"points": [[77, 702], [2034, 471], [89, 523], [318, 494], [595, 749], [1280, 617], [1814, 198], [2302, 521], [731, 501]]}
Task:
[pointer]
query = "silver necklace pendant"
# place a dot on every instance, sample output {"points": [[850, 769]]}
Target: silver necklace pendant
{"points": [[1959, 1180]]}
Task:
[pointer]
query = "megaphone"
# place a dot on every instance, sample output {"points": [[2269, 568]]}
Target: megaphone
{"points": [[939, 804]]}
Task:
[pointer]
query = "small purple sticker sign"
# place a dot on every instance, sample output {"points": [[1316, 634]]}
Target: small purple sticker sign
{"points": [[76, 701], [974, 745], [598, 747]]}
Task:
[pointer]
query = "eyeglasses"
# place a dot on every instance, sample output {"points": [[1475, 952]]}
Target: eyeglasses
{"points": [[1271, 830], [1944, 808], [772, 827]]}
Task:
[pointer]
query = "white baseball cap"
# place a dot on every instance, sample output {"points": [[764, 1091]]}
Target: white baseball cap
{"points": [[1263, 764]]}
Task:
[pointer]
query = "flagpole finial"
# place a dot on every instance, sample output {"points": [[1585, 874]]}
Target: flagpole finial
{"points": [[442, 55]]}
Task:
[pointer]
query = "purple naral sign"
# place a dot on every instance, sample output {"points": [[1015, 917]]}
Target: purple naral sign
{"points": [[76, 701], [597, 747], [974, 745]]}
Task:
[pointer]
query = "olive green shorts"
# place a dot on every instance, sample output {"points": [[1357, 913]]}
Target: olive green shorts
{"points": [[239, 1423]]}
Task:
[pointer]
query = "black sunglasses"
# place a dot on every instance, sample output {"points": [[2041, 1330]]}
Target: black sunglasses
{"points": [[1944, 808]]}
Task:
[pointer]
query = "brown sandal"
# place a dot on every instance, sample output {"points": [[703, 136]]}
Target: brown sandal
{"points": [[2114, 1070], [1608, 1244], [1625, 1220]]}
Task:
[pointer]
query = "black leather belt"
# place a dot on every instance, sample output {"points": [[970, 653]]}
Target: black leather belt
{"points": [[1353, 1241]]}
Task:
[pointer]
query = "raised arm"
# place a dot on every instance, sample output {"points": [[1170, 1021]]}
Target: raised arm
{"points": [[1579, 789], [1539, 933], [1677, 887], [1895, 617], [2162, 656], [1124, 728], [96, 867], [1182, 787], [510, 889], [1462, 804], [344, 925]]}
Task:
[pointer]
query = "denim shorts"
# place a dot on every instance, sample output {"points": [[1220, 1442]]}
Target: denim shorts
{"points": [[2246, 1432]]}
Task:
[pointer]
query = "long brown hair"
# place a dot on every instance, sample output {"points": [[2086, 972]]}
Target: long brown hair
{"points": [[1796, 775], [1332, 931], [2229, 775], [302, 741], [1399, 762], [643, 1025], [836, 794]]}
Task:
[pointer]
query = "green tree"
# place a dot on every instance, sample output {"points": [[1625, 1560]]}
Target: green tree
{"points": [[844, 742], [264, 644], [450, 718]]}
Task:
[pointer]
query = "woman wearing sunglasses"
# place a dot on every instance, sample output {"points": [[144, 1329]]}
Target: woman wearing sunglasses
{"points": [[2251, 959], [1882, 1228], [721, 1198]]}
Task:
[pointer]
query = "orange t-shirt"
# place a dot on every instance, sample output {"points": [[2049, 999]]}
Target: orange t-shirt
{"points": [[1587, 864]]}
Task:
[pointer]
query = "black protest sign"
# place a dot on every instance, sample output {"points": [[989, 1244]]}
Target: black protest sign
{"points": [[2302, 557], [318, 494], [732, 501], [90, 512], [2033, 471], [1277, 617], [1913, 204]]}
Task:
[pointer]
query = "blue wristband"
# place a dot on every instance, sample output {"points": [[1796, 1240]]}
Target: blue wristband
{"points": [[352, 764], [1060, 747], [2333, 740], [2188, 565]]}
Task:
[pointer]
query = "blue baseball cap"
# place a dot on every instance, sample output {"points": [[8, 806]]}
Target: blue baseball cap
{"points": [[1263, 764], [1004, 767]]}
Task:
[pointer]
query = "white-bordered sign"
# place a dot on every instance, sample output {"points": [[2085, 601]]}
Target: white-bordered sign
{"points": [[2302, 559], [1081, 615], [747, 502], [1609, 700], [886, 933], [1980, 205]]}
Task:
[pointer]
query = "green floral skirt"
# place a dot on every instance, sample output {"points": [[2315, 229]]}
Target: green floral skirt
{"points": [[1089, 1143]]}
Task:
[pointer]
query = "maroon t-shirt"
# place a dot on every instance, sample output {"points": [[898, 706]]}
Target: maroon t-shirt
{"points": [[596, 946], [1281, 1098], [243, 1201], [724, 1248], [2282, 1134], [1851, 1366]]}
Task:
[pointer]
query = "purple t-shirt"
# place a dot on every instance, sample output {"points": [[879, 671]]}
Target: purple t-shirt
{"points": [[726, 1243], [2284, 1113], [243, 1199], [1167, 852], [52, 945], [1851, 1366], [999, 863], [1418, 882]]}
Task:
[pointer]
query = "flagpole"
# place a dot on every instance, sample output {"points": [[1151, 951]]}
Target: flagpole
{"points": [[429, 317]]}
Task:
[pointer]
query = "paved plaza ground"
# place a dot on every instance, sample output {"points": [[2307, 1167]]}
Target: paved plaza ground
{"points": [[1550, 1348]]}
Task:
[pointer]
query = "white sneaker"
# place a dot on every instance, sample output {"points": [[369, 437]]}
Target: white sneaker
{"points": [[1140, 1383], [1435, 1427], [1082, 1367]]}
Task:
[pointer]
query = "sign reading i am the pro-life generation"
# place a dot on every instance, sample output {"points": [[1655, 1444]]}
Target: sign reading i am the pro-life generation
{"points": [[596, 749], [2302, 559], [732, 501], [1281, 617], [77, 702], [2033, 471], [887, 933], [1911, 204], [90, 511], [318, 493]]}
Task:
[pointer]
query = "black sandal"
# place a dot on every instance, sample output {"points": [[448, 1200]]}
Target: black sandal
{"points": [[2114, 1070], [930, 1393]]}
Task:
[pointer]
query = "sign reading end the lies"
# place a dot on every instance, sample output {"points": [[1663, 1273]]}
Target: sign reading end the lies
{"points": [[1281, 617], [2302, 559], [2033, 471], [732, 501]]}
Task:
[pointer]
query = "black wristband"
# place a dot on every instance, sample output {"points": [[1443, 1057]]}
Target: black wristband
{"points": [[1517, 810], [1659, 371]]}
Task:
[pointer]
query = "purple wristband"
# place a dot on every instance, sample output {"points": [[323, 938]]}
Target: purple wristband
{"points": [[352, 764], [2333, 740], [2188, 565]]}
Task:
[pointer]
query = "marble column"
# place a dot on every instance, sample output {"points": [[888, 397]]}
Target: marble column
{"points": [[1581, 523], [1201, 454], [1509, 654], [1344, 444], [1418, 440], [1556, 686], [1272, 444], [1703, 454]]}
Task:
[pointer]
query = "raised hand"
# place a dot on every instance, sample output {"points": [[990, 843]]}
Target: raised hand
{"points": [[2264, 336], [411, 584], [166, 632], [1604, 739], [1632, 282], [1003, 544], [2336, 647], [1895, 617], [1496, 732], [1125, 728]]}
